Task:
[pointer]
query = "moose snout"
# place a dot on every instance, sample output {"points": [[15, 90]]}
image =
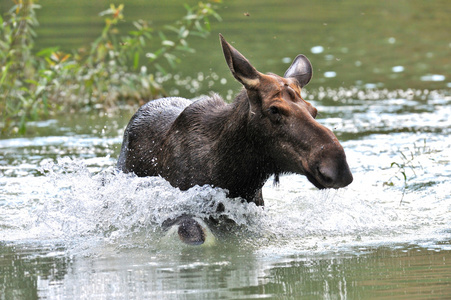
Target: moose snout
{"points": [[331, 176], [330, 168]]}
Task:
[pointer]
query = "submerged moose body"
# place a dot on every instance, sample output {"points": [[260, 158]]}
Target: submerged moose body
{"points": [[267, 130]]}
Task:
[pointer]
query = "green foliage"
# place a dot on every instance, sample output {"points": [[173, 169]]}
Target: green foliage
{"points": [[117, 69], [18, 101]]}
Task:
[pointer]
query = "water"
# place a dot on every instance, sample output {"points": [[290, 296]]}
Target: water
{"points": [[71, 227]]}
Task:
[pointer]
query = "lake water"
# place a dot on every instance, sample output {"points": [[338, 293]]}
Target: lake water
{"points": [[71, 228]]}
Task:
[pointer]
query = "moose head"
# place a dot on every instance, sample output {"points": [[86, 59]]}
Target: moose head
{"points": [[283, 124]]}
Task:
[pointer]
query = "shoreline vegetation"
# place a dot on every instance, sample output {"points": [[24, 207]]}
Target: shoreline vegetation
{"points": [[116, 69]]}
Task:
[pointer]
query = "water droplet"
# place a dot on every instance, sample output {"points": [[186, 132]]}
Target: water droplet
{"points": [[397, 69], [329, 57], [330, 74], [317, 49], [433, 77], [286, 60], [370, 85]]}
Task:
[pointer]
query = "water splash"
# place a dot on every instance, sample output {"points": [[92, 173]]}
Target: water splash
{"points": [[73, 205]]}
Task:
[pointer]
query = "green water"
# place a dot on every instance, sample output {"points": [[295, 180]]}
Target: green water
{"points": [[71, 229], [383, 44]]}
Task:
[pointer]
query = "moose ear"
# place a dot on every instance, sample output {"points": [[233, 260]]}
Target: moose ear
{"points": [[301, 69], [240, 67]]}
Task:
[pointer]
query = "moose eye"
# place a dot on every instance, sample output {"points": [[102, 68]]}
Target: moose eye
{"points": [[275, 114], [274, 110]]}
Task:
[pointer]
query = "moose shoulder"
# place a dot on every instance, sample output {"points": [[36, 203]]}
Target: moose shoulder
{"points": [[267, 130]]}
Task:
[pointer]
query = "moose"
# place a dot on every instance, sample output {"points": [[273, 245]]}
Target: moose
{"points": [[266, 131]]}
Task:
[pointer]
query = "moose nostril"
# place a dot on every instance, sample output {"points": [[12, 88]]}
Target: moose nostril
{"points": [[325, 178], [327, 175]]}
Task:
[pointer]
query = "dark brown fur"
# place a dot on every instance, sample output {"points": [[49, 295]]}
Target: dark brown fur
{"points": [[268, 130]]}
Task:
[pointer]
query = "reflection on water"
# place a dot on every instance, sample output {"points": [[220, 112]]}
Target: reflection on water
{"points": [[201, 273]]}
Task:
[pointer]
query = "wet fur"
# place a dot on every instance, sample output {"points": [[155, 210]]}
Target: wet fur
{"points": [[209, 134]]}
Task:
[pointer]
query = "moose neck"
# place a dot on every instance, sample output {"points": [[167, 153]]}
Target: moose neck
{"points": [[244, 163]]}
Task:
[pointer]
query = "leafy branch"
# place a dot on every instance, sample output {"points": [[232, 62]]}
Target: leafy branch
{"points": [[132, 47], [118, 68]]}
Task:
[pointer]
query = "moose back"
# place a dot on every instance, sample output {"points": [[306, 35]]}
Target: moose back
{"points": [[267, 130]]}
